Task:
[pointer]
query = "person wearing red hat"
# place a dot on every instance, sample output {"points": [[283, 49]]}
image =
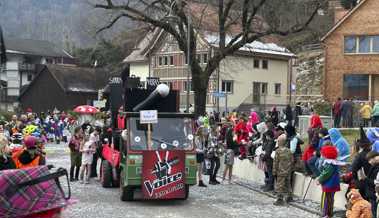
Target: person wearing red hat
{"points": [[329, 179], [30, 156]]}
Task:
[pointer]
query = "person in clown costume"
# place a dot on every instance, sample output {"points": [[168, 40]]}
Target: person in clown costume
{"points": [[242, 137]]}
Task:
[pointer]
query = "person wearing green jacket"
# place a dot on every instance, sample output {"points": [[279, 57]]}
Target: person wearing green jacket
{"points": [[375, 114]]}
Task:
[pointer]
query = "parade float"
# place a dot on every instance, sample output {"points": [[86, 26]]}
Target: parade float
{"points": [[152, 148]]}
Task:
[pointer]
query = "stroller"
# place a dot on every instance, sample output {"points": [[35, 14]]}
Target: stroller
{"points": [[32, 192]]}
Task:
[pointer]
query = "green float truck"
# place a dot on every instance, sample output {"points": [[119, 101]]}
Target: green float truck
{"points": [[156, 157]]}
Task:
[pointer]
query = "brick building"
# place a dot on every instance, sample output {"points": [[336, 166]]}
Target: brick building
{"points": [[352, 55]]}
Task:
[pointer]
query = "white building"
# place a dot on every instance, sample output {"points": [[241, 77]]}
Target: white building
{"points": [[19, 71]]}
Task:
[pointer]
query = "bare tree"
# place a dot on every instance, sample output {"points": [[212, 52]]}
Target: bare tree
{"points": [[255, 19]]}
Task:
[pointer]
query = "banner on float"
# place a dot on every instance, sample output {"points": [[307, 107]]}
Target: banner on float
{"points": [[163, 174]]}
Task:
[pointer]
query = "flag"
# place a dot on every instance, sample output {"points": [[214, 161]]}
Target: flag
{"points": [[3, 55]]}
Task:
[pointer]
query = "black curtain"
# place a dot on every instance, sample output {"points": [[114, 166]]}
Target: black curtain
{"points": [[3, 56]]}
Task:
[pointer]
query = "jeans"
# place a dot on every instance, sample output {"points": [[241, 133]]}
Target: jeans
{"points": [[269, 179], [215, 166], [374, 206], [94, 165], [337, 121], [313, 165]]}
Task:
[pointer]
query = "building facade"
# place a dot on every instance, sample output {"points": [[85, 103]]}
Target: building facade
{"points": [[20, 68], [352, 55], [258, 76]]}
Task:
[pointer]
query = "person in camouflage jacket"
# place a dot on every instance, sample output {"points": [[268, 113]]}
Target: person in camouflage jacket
{"points": [[282, 169]]}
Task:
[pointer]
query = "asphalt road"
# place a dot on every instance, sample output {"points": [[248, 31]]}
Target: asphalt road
{"points": [[225, 201]]}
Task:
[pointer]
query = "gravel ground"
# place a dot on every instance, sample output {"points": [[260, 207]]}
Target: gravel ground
{"points": [[215, 201]]}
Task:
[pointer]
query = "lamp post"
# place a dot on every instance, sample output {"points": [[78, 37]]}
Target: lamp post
{"points": [[188, 61]]}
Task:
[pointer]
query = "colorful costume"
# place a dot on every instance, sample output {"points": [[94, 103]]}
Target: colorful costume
{"points": [[329, 179]]}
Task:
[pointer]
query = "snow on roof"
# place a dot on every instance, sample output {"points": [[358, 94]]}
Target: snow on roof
{"points": [[255, 47], [76, 89]]}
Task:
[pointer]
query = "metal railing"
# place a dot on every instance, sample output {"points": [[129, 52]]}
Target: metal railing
{"points": [[26, 67]]}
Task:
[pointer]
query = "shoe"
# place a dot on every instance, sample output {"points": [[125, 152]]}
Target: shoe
{"points": [[217, 182], [86, 182], [72, 180], [212, 183], [268, 189], [279, 202], [201, 184], [81, 182], [289, 199], [263, 186]]}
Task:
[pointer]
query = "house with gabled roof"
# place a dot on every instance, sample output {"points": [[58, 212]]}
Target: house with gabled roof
{"points": [[22, 57], [352, 55], [63, 87], [257, 76]]}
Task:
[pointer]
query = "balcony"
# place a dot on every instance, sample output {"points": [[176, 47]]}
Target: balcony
{"points": [[26, 67]]}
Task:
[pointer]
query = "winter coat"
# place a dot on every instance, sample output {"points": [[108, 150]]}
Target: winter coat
{"points": [[230, 143], [288, 113], [375, 110], [253, 120], [6, 163], [329, 177], [283, 162], [365, 111], [360, 208], [268, 146], [340, 142], [337, 108], [242, 132], [368, 185], [360, 162]]}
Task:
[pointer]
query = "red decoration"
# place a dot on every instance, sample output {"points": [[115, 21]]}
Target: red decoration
{"points": [[163, 174]]}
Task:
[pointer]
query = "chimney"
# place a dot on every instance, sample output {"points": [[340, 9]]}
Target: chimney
{"points": [[339, 11]]}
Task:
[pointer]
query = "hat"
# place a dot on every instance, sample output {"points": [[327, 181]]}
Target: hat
{"points": [[324, 131], [30, 142], [363, 141], [329, 152], [282, 140], [354, 194]]}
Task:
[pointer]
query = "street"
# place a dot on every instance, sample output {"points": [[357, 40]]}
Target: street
{"points": [[214, 201]]}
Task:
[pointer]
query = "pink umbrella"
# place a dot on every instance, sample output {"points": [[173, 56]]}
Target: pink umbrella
{"points": [[86, 109]]}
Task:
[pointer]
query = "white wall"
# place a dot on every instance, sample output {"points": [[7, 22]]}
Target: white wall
{"points": [[241, 70], [140, 70]]}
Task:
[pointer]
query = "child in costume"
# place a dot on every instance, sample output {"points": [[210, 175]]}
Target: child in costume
{"points": [[87, 149], [329, 179], [282, 169], [357, 206]]}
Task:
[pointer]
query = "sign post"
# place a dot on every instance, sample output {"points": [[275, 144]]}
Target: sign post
{"points": [[148, 117]]}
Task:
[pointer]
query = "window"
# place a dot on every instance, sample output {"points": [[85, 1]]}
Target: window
{"points": [[171, 60], [278, 87], [375, 44], [185, 59], [256, 63], [350, 44], [185, 84], [160, 62], [30, 77], [355, 86], [361, 44], [264, 64], [264, 88], [198, 58], [227, 86], [205, 58], [165, 60], [364, 44]]}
